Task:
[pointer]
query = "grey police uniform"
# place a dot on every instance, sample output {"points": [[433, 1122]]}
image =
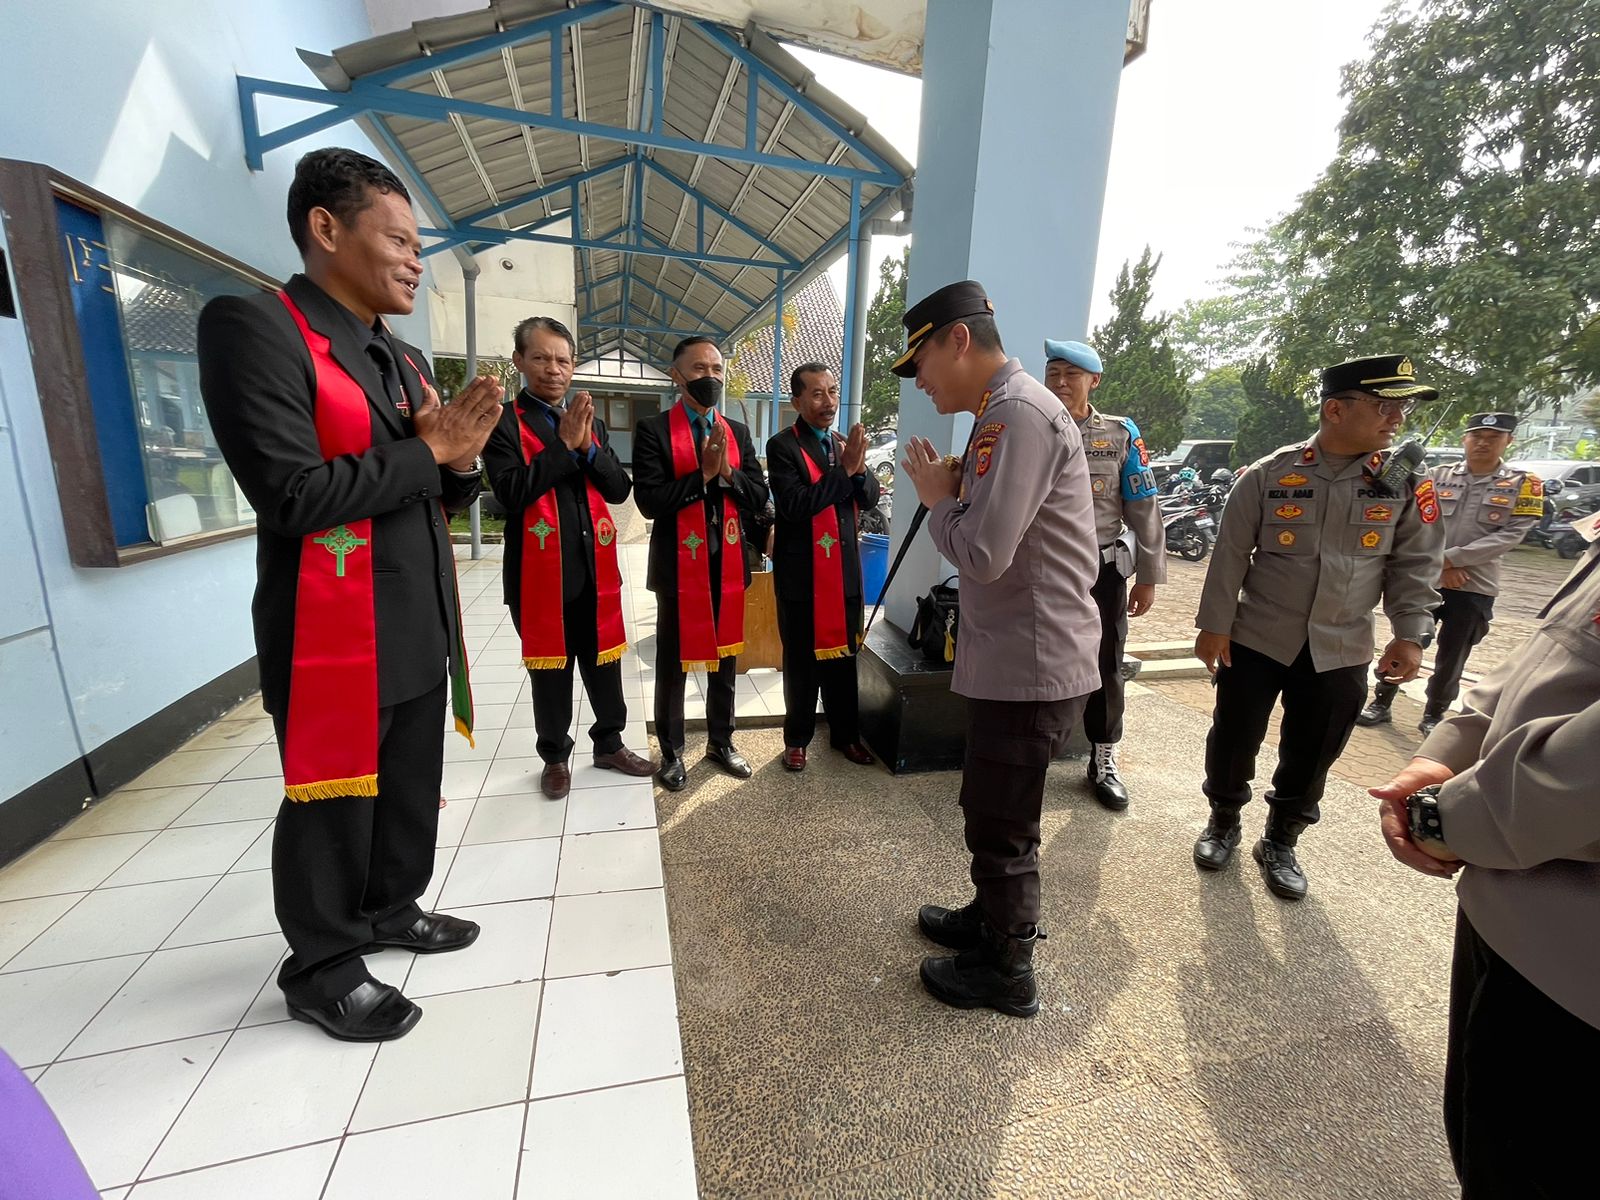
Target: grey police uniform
{"points": [[1127, 523], [1520, 810], [1306, 549], [1026, 655]]}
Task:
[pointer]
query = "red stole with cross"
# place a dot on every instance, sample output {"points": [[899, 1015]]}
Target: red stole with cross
{"points": [[544, 640], [703, 639], [831, 635], [330, 745]]}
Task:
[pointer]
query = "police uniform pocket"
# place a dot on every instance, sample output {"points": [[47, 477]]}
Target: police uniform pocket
{"points": [[1103, 479], [1290, 527], [1371, 528], [1497, 507]]}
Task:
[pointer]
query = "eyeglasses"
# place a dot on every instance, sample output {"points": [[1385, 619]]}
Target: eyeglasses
{"points": [[1388, 408]]}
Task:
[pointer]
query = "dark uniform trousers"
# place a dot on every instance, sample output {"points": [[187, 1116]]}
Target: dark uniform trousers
{"points": [[804, 675], [670, 676], [350, 869], [1319, 711], [1102, 716], [552, 689], [1512, 1130], [1010, 744], [1463, 619]]}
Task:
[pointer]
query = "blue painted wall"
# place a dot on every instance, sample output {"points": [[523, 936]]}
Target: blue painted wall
{"points": [[139, 101]]}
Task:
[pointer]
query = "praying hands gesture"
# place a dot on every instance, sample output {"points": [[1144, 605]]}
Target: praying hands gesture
{"points": [[456, 432], [926, 468], [577, 423], [714, 455], [854, 457]]}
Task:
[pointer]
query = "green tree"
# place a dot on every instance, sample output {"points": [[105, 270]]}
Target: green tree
{"points": [[1274, 415], [1143, 377], [451, 373], [1259, 284], [880, 387], [1217, 403], [1459, 221]]}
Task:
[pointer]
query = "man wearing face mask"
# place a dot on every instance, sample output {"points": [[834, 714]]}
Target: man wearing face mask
{"points": [[695, 472]]}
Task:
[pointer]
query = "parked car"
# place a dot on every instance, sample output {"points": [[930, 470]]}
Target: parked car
{"points": [[1204, 455], [880, 459], [1442, 456]]}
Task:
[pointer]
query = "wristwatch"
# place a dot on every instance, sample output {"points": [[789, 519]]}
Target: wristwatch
{"points": [[471, 472], [1422, 813]]}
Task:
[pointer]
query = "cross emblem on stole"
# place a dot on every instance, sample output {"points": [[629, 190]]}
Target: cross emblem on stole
{"points": [[338, 542], [541, 531], [694, 541], [827, 541]]}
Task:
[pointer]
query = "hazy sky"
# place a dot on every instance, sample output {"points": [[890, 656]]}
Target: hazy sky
{"points": [[1227, 117]]}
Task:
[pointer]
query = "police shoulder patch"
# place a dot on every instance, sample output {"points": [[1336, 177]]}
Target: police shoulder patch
{"points": [[1427, 502], [983, 447]]}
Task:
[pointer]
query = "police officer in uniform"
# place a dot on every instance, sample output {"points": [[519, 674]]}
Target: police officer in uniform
{"points": [[1313, 536], [1123, 491], [1013, 519], [1486, 508]]}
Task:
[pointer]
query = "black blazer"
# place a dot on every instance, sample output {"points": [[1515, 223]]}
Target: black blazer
{"points": [[257, 380], [517, 486], [797, 500], [661, 497]]}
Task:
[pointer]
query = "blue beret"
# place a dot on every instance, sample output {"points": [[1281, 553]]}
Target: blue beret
{"points": [[1076, 353]]}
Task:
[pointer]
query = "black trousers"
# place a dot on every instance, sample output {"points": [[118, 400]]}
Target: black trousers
{"points": [[349, 869], [1463, 619], [1102, 716], [552, 689], [670, 678], [1519, 1106], [804, 676], [1319, 711], [1010, 744]]}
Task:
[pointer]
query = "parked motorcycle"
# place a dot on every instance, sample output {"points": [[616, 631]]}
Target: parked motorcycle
{"points": [[1190, 529]]}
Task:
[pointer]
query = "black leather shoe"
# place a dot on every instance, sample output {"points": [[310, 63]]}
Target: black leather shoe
{"points": [[997, 973], [434, 933], [1281, 870], [730, 760], [1428, 722], [1374, 714], [958, 928], [1104, 777], [1216, 845], [372, 1012], [673, 775]]}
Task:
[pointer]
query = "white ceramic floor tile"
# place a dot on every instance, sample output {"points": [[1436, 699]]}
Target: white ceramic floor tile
{"points": [[471, 1155], [443, 859], [23, 920], [609, 862], [521, 742], [236, 800], [515, 818], [146, 1089], [246, 710], [187, 852], [75, 865], [609, 931], [496, 693], [485, 741], [498, 673], [192, 766], [182, 993], [134, 812], [599, 810], [259, 856], [510, 949], [601, 1030], [470, 1050], [114, 921], [499, 871], [297, 1174], [513, 776], [463, 779], [263, 762], [239, 906], [228, 735], [487, 716], [42, 1011], [570, 1143], [453, 818], [116, 1194], [272, 1088]]}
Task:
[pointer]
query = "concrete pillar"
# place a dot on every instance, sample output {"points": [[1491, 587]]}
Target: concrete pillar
{"points": [[1018, 101]]}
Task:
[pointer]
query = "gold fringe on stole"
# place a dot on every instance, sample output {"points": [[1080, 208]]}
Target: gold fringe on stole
{"points": [[463, 729], [836, 652], [694, 664], [553, 663], [730, 651], [331, 789], [611, 656]]}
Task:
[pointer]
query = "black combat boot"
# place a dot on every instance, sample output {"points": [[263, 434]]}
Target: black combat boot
{"points": [[1377, 713], [958, 928], [1220, 839], [997, 973], [1430, 718], [1275, 853]]}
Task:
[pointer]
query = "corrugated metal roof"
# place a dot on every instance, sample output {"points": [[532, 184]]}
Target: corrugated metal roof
{"points": [[472, 163]]}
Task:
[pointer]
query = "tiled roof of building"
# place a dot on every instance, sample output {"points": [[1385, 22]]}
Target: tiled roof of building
{"points": [[815, 335]]}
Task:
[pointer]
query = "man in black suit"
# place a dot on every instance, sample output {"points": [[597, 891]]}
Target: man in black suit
{"points": [[541, 446], [694, 468], [820, 483], [333, 429]]}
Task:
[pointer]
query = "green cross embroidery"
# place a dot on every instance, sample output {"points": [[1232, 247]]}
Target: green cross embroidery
{"points": [[338, 542], [541, 531], [827, 541], [694, 541]]}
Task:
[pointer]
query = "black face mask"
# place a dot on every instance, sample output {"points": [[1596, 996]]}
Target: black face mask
{"points": [[705, 391]]}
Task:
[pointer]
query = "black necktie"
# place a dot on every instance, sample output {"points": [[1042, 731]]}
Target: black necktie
{"points": [[378, 350]]}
